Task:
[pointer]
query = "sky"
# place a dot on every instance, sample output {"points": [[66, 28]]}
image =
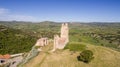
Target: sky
{"points": [[60, 10]]}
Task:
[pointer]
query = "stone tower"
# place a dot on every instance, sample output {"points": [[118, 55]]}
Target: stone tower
{"points": [[60, 42], [64, 31]]}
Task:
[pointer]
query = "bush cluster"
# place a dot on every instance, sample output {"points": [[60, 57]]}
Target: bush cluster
{"points": [[85, 56]]}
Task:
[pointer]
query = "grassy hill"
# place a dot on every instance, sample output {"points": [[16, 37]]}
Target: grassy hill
{"points": [[104, 57]]}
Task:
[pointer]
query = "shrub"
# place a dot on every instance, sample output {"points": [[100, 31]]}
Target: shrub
{"points": [[85, 56]]}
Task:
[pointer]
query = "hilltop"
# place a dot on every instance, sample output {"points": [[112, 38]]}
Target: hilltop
{"points": [[104, 57]]}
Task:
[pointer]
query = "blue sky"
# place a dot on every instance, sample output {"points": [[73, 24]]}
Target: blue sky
{"points": [[60, 10]]}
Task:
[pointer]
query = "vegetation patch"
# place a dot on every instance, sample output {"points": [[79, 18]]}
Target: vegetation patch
{"points": [[75, 46], [36, 47], [15, 41]]}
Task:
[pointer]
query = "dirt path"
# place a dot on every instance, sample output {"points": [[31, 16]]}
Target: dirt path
{"points": [[38, 60], [15, 61]]}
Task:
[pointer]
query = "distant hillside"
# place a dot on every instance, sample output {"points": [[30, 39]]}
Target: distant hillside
{"points": [[30, 26], [102, 34], [15, 41]]}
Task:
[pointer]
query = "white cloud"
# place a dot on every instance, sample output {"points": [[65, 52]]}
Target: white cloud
{"points": [[21, 18], [6, 15], [3, 11]]}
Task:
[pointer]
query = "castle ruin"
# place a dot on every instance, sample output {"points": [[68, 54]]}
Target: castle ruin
{"points": [[60, 42]]}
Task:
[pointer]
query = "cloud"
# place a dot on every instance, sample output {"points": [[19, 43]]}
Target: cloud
{"points": [[21, 18], [3, 11], [6, 15]]}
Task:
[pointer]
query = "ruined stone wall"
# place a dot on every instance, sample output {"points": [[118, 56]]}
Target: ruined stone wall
{"points": [[60, 42], [41, 42]]}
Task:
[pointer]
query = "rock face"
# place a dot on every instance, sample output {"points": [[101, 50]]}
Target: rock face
{"points": [[41, 42], [60, 42]]}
